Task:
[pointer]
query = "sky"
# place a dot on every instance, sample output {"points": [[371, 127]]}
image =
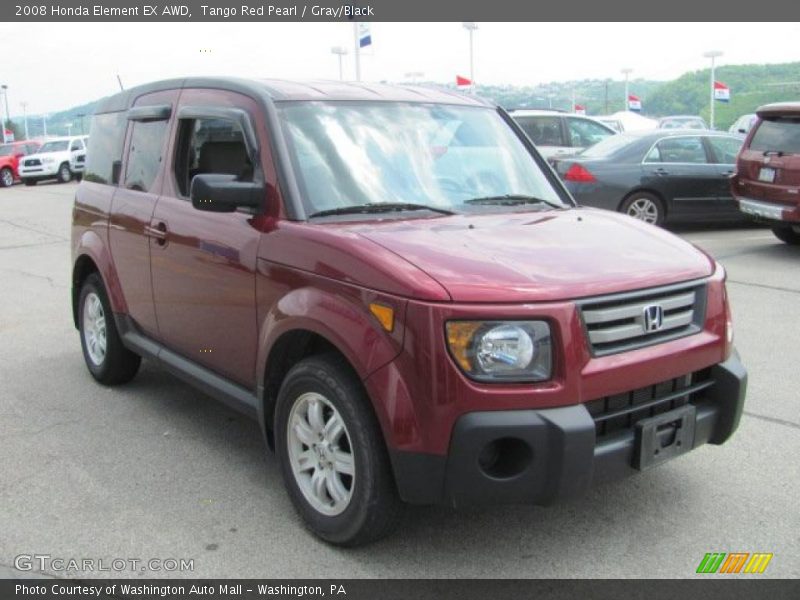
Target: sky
{"points": [[55, 66]]}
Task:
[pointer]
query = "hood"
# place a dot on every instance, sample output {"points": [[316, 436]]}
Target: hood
{"points": [[539, 257]]}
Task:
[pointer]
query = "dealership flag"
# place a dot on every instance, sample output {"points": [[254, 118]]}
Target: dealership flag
{"points": [[580, 109], [364, 36], [722, 92], [463, 81], [634, 103]]}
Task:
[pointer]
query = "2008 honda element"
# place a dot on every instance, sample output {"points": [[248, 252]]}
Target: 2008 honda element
{"points": [[400, 290]]}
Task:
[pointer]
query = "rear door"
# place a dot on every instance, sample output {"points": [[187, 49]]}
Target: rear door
{"points": [[129, 230], [724, 150], [680, 170], [204, 263]]}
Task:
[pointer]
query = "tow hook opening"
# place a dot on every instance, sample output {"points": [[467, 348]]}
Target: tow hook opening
{"points": [[505, 458]]}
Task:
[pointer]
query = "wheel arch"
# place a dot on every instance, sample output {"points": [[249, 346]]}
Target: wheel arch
{"points": [[92, 256], [646, 190]]}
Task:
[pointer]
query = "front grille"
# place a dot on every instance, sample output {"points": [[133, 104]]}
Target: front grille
{"points": [[621, 412], [32, 162], [621, 322]]}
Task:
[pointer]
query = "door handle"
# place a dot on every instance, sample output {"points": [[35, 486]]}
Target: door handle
{"points": [[728, 173], [660, 172], [157, 232]]}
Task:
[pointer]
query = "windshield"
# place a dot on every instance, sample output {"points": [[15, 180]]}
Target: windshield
{"points": [[7, 150], [57, 146], [442, 156], [608, 146]]}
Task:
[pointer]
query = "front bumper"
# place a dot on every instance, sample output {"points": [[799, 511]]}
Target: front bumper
{"points": [[38, 171], [554, 453]]}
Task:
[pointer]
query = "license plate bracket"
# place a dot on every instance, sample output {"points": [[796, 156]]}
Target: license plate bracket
{"points": [[663, 437]]}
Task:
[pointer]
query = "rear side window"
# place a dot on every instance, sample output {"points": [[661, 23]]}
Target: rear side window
{"points": [[105, 146], [210, 146], [544, 131], [584, 133], [687, 150], [144, 156], [777, 135], [725, 149]]}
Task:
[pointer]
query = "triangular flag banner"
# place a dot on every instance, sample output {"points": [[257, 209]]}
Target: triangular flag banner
{"points": [[462, 81], [722, 92], [634, 103], [364, 36], [580, 109]]}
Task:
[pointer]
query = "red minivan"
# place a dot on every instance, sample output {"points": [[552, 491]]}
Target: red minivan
{"points": [[767, 179], [393, 282]]}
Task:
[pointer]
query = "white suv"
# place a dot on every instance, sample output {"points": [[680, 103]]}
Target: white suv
{"points": [[60, 158]]}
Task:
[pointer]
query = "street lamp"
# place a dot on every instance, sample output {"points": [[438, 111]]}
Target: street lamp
{"points": [[7, 119], [340, 51], [712, 54], [626, 71], [472, 28], [25, 117]]}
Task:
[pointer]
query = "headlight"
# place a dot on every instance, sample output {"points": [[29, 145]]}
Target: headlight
{"points": [[502, 350]]}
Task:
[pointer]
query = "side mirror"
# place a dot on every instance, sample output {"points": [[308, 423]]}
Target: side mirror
{"points": [[214, 192]]}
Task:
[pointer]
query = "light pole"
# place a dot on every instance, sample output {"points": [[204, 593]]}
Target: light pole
{"points": [[69, 129], [472, 28], [7, 119], [712, 54], [25, 117], [44, 125], [340, 51], [626, 71]]}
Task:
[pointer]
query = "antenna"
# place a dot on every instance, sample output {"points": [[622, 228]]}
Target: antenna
{"points": [[121, 87]]}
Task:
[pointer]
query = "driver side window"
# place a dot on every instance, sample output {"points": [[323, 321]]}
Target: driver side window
{"points": [[210, 145]]}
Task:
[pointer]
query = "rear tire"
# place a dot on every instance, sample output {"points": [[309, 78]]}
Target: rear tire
{"points": [[6, 177], [29, 182], [109, 362], [644, 206], [332, 455], [64, 173], [788, 234]]}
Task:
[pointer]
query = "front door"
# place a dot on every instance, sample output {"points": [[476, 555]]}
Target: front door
{"points": [[204, 265]]}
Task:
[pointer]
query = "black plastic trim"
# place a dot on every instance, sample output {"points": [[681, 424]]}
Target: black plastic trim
{"points": [[156, 112]]}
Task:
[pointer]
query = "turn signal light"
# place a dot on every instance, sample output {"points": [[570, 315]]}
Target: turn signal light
{"points": [[579, 174], [384, 314]]}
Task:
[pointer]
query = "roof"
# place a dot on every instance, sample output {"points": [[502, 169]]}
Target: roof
{"points": [[283, 90], [664, 133], [526, 112], [778, 108]]}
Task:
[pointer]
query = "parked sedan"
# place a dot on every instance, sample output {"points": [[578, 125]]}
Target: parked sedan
{"points": [[658, 176]]}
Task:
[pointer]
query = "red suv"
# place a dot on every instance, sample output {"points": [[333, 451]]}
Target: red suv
{"points": [[395, 284], [767, 179], [9, 160]]}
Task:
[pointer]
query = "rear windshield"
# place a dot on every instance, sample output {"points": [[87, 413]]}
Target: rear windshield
{"points": [[781, 134]]}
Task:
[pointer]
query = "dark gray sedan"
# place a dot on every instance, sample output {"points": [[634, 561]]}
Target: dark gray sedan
{"points": [[658, 176]]}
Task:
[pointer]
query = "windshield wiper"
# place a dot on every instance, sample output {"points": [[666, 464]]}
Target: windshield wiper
{"points": [[379, 207], [512, 199]]}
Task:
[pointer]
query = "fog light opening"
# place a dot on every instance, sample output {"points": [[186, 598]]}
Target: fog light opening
{"points": [[505, 458]]}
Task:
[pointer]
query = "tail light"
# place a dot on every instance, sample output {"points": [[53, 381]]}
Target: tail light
{"points": [[579, 174]]}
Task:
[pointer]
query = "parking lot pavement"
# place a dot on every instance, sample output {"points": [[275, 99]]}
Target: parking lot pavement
{"points": [[156, 470]]}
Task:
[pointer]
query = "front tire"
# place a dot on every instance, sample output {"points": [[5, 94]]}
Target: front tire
{"points": [[332, 456], [64, 173], [6, 177], [788, 234], [644, 206], [109, 362]]}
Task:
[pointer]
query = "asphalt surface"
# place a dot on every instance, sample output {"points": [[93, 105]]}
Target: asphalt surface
{"points": [[155, 469]]}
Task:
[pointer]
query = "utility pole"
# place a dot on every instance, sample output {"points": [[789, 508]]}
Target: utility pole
{"points": [[606, 98], [25, 117], [357, 42], [712, 54], [340, 51], [44, 124], [7, 119], [472, 28], [626, 71]]}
